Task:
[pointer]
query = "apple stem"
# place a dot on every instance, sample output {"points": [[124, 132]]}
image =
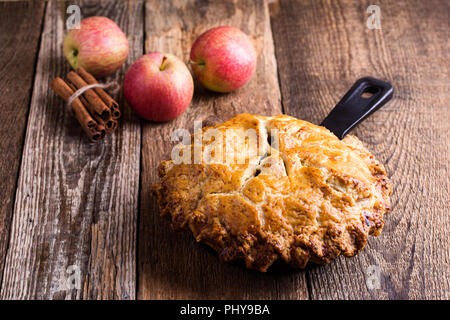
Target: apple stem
{"points": [[162, 63], [197, 63]]}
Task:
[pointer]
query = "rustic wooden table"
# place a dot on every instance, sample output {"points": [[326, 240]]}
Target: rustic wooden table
{"points": [[67, 202]]}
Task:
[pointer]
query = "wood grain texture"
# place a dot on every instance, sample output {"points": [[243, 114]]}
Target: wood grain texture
{"points": [[322, 47], [171, 265], [18, 54], [76, 202]]}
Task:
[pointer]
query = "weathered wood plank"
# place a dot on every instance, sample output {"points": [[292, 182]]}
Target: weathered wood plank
{"points": [[322, 47], [76, 202], [18, 54], [172, 265]]}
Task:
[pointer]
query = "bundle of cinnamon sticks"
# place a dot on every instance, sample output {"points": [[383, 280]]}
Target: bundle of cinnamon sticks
{"points": [[95, 110]]}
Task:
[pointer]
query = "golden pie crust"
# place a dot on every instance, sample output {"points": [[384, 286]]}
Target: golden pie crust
{"points": [[311, 197]]}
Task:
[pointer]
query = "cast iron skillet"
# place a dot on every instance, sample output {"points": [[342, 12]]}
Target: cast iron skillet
{"points": [[354, 107]]}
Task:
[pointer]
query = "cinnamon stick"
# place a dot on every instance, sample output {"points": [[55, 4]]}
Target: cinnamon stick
{"points": [[108, 125], [87, 123], [95, 103], [110, 102], [94, 109], [101, 125]]}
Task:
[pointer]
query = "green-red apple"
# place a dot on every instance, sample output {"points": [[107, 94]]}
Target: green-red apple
{"points": [[99, 46], [159, 87], [223, 59]]}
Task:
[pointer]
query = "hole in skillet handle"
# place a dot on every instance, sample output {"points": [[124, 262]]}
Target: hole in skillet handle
{"points": [[365, 97], [369, 92]]}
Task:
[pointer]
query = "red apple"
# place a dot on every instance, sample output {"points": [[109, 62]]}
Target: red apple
{"points": [[99, 46], [223, 59], [159, 87]]}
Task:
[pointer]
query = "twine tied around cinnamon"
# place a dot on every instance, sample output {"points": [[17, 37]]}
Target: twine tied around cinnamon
{"points": [[113, 87], [94, 109]]}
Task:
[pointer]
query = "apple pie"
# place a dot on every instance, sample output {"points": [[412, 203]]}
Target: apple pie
{"points": [[262, 188]]}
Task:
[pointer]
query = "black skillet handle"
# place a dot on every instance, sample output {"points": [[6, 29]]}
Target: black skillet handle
{"points": [[365, 97]]}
